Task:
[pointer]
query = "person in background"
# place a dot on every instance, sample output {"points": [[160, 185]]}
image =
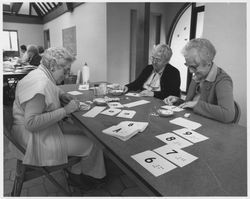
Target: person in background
{"points": [[160, 79], [210, 92], [40, 50], [23, 54], [37, 112], [34, 57]]}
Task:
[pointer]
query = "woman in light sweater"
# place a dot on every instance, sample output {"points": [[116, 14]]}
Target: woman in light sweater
{"points": [[37, 111]]}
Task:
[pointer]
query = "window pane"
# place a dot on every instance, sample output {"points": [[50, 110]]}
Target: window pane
{"points": [[10, 41], [5, 41], [179, 39], [13, 38]]}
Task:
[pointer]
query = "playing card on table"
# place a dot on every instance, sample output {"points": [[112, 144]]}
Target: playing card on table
{"points": [[94, 111], [141, 126], [190, 135], [136, 103], [175, 155], [133, 94], [185, 123], [111, 111], [173, 108], [115, 105], [74, 93], [153, 162], [174, 140], [126, 114]]}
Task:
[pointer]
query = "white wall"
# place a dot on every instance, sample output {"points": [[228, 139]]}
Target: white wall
{"points": [[225, 27], [27, 33], [91, 37]]}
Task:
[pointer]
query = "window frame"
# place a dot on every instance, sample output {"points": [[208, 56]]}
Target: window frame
{"points": [[13, 53]]}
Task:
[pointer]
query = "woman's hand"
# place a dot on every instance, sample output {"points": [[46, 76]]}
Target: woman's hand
{"points": [[125, 89], [65, 98], [147, 93], [170, 100], [189, 104], [72, 106]]}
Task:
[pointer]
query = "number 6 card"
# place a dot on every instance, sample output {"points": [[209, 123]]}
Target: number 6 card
{"points": [[153, 162]]}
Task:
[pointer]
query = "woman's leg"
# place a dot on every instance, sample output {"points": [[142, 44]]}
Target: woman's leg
{"points": [[92, 162]]}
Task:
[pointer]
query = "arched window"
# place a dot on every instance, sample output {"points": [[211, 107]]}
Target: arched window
{"points": [[188, 24]]}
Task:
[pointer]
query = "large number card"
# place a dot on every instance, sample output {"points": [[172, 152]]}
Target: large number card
{"points": [[126, 114], [153, 162], [190, 135], [177, 156], [111, 111], [174, 140]]}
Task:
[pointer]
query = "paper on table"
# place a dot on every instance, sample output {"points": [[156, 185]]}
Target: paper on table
{"points": [[136, 103], [185, 123], [153, 162], [74, 93], [94, 111], [127, 114], [190, 135], [111, 111], [177, 156], [133, 94]]}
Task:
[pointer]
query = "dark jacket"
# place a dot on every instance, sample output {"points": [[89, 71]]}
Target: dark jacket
{"points": [[35, 60], [169, 82]]}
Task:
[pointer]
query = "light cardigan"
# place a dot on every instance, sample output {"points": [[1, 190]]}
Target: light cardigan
{"points": [[43, 140], [216, 96]]}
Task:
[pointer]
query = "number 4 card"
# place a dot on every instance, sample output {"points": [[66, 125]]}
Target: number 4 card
{"points": [[175, 155], [153, 162]]}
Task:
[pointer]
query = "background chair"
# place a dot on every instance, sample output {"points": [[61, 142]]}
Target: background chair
{"points": [[28, 172], [237, 113]]}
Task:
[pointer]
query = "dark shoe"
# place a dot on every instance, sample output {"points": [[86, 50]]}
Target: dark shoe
{"points": [[93, 181], [76, 181]]}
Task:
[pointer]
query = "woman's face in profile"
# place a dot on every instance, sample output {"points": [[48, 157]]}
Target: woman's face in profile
{"points": [[61, 72]]}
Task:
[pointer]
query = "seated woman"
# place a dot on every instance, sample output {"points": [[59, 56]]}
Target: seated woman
{"points": [[33, 54], [210, 92], [37, 111]]}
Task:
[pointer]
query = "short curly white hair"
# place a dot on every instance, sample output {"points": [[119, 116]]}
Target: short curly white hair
{"points": [[164, 50], [204, 48], [59, 55]]}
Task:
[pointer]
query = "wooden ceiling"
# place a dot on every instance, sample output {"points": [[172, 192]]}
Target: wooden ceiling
{"points": [[35, 12]]}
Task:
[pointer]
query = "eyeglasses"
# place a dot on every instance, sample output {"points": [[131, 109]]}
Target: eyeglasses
{"points": [[192, 67], [155, 59]]}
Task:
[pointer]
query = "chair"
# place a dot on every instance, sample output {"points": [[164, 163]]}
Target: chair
{"points": [[26, 172], [237, 113]]}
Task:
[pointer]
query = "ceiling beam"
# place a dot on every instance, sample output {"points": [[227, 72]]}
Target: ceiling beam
{"points": [[6, 8], [36, 9], [70, 7], [22, 19], [16, 7]]}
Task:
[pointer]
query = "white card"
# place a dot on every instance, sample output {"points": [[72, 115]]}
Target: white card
{"points": [[174, 140], [173, 108], [133, 94], [126, 114], [153, 162], [185, 123], [83, 87], [111, 111], [190, 135], [177, 156], [94, 111], [136, 103], [138, 125], [115, 105], [75, 93]]}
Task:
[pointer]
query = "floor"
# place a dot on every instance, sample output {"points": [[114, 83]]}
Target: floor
{"points": [[118, 184]]}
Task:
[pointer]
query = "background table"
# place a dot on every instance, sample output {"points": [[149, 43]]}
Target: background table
{"points": [[221, 167]]}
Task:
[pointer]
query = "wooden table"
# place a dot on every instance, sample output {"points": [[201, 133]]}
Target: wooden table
{"points": [[221, 167]]}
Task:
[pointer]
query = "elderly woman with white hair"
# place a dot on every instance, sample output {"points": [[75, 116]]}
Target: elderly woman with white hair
{"points": [[210, 93], [37, 111], [160, 79]]}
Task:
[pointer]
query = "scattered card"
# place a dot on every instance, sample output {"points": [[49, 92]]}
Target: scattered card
{"points": [[153, 162], [185, 123], [174, 140], [75, 93], [173, 108], [133, 94], [127, 114], [136, 103], [177, 156], [111, 111], [190, 135], [94, 111], [138, 125], [115, 105]]}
